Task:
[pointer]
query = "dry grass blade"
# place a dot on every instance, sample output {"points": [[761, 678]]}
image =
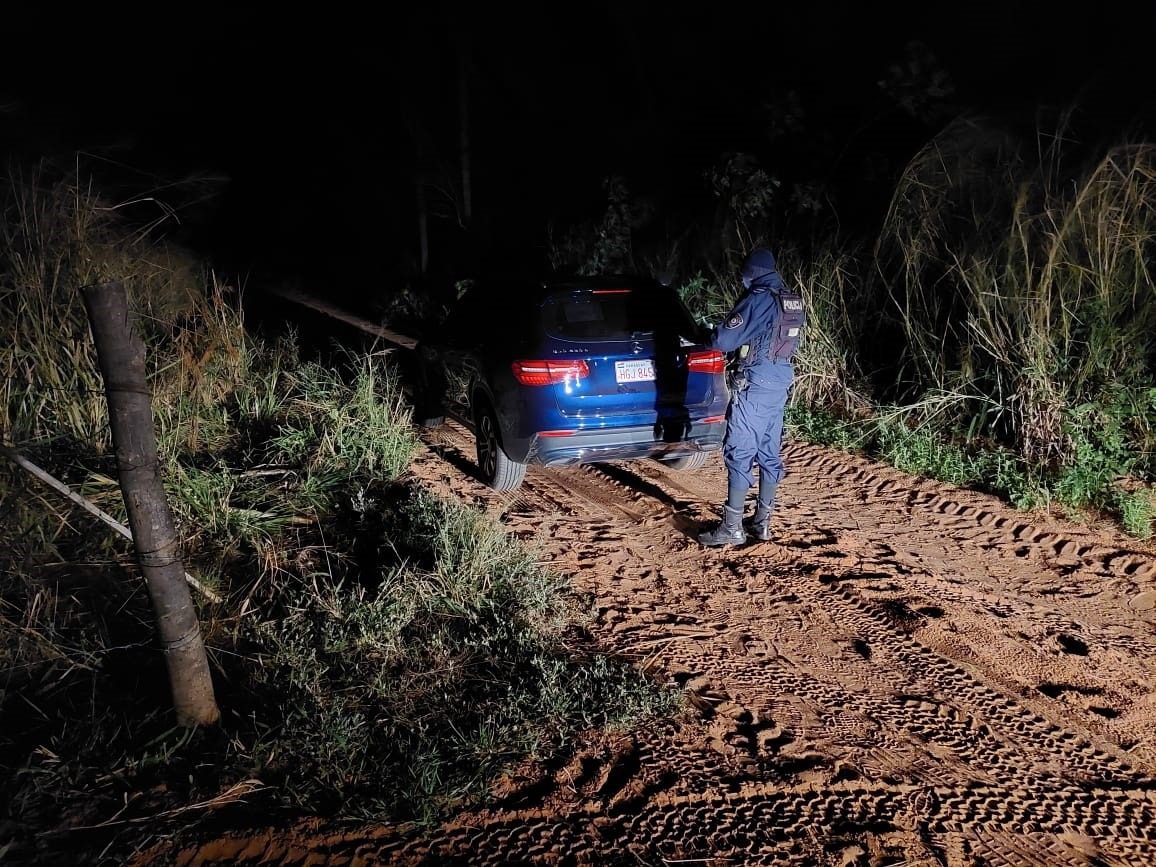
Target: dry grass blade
{"points": [[1017, 281]]}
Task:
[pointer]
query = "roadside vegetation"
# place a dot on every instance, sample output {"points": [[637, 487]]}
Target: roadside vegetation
{"points": [[998, 331], [377, 652], [1021, 276]]}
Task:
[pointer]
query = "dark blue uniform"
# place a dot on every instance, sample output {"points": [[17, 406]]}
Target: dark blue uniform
{"points": [[765, 320]]}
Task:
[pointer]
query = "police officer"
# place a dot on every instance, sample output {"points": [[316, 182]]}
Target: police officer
{"points": [[764, 326]]}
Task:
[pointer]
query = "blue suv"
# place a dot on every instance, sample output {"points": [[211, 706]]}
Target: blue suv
{"points": [[573, 372]]}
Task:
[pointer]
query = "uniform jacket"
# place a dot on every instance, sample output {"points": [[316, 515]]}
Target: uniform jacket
{"points": [[751, 322]]}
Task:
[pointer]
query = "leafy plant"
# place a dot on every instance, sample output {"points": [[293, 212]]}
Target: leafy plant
{"points": [[747, 193], [371, 679], [605, 246], [709, 301]]}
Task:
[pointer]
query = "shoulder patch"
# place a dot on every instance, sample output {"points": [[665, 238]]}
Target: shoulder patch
{"points": [[735, 321]]}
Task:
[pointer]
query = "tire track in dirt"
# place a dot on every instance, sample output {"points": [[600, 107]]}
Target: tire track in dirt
{"points": [[974, 517], [909, 673], [973, 744], [967, 726], [1063, 631]]}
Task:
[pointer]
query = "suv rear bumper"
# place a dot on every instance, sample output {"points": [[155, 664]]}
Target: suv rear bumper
{"points": [[623, 443]]}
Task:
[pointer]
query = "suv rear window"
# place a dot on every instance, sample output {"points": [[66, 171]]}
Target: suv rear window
{"points": [[613, 314]]}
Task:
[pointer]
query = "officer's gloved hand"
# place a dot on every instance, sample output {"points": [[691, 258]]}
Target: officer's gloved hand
{"points": [[705, 334]]}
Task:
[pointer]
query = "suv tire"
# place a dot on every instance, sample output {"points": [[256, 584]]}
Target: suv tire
{"points": [[497, 469], [431, 421], [686, 462]]}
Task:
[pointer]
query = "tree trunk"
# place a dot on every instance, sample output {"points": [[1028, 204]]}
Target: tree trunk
{"points": [[464, 127], [121, 355], [422, 221]]}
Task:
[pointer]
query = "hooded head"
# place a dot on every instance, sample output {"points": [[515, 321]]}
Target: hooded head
{"points": [[759, 271]]}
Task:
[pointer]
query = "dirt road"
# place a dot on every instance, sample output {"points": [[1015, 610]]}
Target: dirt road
{"points": [[910, 674]]}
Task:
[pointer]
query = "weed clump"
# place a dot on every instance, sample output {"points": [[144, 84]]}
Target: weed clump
{"points": [[403, 697]]}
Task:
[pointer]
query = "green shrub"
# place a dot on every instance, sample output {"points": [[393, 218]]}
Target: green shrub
{"points": [[606, 246], [401, 698], [1110, 447], [825, 427], [709, 301], [1137, 511], [920, 450]]}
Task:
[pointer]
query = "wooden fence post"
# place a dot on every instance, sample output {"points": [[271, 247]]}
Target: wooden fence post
{"points": [[121, 355]]}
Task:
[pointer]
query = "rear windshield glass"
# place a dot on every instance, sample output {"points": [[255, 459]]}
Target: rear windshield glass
{"points": [[614, 315]]}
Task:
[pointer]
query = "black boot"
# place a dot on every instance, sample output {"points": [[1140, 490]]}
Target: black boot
{"points": [[728, 532], [758, 525]]}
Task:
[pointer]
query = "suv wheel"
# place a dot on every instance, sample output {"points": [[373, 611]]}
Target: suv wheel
{"points": [[431, 421], [686, 462], [498, 471]]}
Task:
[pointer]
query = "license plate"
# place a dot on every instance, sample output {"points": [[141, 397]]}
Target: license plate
{"points": [[634, 371]]}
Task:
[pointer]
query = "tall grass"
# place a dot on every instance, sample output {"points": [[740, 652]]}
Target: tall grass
{"points": [[710, 297], [1022, 274], [828, 366], [56, 236], [1025, 279]]}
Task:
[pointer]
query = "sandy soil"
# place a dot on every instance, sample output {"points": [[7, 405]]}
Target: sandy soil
{"points": [[910, 674]]}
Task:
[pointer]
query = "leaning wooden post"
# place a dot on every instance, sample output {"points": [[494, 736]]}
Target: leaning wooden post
{"points": [[121, 355]]}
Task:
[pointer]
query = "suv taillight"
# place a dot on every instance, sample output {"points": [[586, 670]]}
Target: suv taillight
{"points": [[549, 372], [707, 361]]}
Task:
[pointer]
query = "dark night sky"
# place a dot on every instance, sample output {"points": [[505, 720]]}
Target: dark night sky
{"points": [[317, 118]]}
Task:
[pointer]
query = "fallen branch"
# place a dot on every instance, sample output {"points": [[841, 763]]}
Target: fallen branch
{"points": [[230, 796], [91, 508], [402, 340]]}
